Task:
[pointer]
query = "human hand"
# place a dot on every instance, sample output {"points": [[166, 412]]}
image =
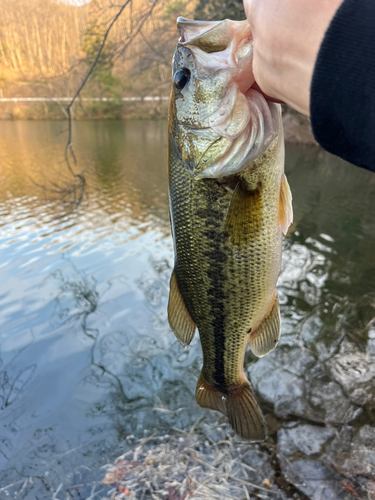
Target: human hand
{"points": [[287, 37]]}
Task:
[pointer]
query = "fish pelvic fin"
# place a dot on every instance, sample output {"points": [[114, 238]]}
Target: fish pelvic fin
{"points": [[266, 337], [285, 205], [179, 318], [238, 404]]}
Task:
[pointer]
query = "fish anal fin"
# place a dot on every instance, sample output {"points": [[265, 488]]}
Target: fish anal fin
{"points": [[244, 218], [244, 414], [208, 396], [266, 337], [238, 403], [179, 318], [285, 205]]}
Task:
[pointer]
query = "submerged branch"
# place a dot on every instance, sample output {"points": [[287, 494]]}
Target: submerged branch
{"points": [[72, 190], [80, 181]]}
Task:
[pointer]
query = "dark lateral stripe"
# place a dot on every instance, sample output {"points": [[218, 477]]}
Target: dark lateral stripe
{"points": [[216, 295]]}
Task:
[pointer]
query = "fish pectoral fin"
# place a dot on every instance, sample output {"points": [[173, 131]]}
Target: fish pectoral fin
{"points": [[266, 337], [239, 404], [285, 205], [179, 318]]}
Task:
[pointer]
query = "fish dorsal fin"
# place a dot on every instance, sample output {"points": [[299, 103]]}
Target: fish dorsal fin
{"points": [[244, 218], [266, 337], [179, 318], [285, 205], [238, 403]]}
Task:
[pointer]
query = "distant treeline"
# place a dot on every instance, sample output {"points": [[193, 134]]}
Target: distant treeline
{"points": [[39, 38], [47, 46]]}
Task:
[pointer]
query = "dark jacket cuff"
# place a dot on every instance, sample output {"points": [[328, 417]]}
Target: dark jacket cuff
{"points": [[342, 104]]}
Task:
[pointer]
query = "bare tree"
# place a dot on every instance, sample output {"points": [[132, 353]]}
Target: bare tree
{"points": [[78, 184], [71, 48]]}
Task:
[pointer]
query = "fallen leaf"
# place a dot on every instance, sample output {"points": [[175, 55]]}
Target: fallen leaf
{"points": [[350, 488], [109, 478], [123, 489], [267, 483]]}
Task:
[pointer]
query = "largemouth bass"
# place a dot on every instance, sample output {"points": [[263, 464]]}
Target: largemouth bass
{"points": [[229, 205]]}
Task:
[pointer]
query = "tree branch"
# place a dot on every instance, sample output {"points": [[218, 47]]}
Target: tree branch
{"points": [[137, 30], [79, 185], [83, 83]]}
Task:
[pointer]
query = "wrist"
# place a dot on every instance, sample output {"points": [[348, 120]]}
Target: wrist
{"points": [[287, 37]]}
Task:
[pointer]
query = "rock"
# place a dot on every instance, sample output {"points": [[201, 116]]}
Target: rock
{"points": [[277, 378], [306, 439], [371, 490], [366, 436], [370, 350], [326, 397], [313, 478], [260, 462], [340, 461], [296, 384], [354, 452], [355, 372]]}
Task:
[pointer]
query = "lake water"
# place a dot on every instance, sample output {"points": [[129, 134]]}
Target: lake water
{"points": [[87, 358]]}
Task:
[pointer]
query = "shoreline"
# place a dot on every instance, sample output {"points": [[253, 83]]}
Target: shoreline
{"points": [[206, 462], [297, 127]]}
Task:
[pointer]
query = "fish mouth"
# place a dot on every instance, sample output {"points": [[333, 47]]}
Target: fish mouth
{"points": [[245, 122]]}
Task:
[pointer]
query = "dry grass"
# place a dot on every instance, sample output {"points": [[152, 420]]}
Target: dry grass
{"points": [[187, 465]]}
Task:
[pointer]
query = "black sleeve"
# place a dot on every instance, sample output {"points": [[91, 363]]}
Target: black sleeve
{"points": [[342, 105]]}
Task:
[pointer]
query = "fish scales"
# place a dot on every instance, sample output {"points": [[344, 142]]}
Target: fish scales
{"points": [[227, 239], [228, 287]]}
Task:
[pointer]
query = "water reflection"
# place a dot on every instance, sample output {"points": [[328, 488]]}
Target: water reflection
{"points": [[124, 168], [87, 356], [13, 381]]}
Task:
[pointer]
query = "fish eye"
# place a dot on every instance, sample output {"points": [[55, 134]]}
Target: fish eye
{"points": [[181, 77]]}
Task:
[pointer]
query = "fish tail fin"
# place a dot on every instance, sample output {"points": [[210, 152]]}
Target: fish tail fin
{"points": [[244, 414], [238, 404]]}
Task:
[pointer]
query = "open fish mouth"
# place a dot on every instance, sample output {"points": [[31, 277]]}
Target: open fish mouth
{"points": [[220, 53]]}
